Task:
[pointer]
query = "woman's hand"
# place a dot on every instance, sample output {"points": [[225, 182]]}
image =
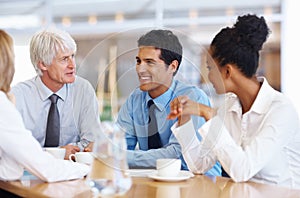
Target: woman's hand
{"points": [[182, 108]]}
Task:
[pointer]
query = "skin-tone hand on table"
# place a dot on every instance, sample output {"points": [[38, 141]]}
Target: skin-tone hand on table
{"points": [[71, 149], [89, 147]]}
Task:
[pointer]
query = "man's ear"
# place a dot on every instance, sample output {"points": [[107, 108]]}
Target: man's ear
{"points": [[174, 65], [42, 66]]}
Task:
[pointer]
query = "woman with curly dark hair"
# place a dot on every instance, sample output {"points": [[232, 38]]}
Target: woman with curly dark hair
{"points": [[255, 135]]}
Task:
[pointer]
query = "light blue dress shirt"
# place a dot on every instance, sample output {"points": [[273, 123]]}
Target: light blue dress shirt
{"points": [[133, 118], [77, 106]]}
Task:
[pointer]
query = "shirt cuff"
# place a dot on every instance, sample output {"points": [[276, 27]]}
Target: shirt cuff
{"points": [[82, 144], [214, 134], [184, 133], [130, 158]]}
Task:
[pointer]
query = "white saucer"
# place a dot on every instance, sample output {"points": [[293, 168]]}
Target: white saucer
{"points": [[140, 172], [183, 175]]}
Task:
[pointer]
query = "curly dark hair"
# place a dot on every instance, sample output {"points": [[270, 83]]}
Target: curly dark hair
{"points": [[240, 44], [167, 42]]}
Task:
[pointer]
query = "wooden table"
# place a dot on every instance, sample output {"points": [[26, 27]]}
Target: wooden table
{"points": [[143, 187]]}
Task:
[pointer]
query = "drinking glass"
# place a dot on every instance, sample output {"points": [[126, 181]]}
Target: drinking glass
{"points": [[108, 174]]}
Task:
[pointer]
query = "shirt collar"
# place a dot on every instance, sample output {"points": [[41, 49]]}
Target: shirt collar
{"points": [[45, 92], [163, 100], [264, 97], [233, 102], [262, 101]]}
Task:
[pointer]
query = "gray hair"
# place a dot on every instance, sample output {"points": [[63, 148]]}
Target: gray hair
{"points": [[45, 45]]}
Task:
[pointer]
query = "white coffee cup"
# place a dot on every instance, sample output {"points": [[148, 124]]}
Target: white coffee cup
{"points": [[168, 167], [57, 152], [82, 157]]}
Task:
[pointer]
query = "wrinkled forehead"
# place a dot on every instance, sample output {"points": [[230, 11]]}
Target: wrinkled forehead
{"points": [[63, 52]]}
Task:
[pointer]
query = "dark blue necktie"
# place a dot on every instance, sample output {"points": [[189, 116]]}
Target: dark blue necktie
{"points": [[154, 141], [53, 124]]}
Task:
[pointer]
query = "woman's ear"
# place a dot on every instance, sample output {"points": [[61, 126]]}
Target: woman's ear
{"points": [[228, 70]]}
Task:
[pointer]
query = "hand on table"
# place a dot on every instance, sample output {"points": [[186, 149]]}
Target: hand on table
{"points": [[89, 147], [70, 149]]}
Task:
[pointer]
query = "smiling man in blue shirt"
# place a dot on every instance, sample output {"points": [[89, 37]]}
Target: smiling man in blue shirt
{"points": [[157, 62]]}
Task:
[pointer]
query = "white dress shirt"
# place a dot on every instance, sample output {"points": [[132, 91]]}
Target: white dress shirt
{"points": [[261, 145], [19, 150]]}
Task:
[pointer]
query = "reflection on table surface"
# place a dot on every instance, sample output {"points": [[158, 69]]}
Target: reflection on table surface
{"points": [[198, 186]]}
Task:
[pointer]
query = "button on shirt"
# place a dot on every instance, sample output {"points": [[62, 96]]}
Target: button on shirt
{"points": [[77, 106], [261, 145], [133, 117]]}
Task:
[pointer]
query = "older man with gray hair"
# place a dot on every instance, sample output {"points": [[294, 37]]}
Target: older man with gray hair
{"points": [[59, 107]]}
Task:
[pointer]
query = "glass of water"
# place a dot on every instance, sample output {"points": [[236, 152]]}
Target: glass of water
{"points": [[108, 174]]}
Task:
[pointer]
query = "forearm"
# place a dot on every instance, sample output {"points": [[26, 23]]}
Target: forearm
{"points": [[196, 156], [205, 111], [147, 159], [193, 108]]}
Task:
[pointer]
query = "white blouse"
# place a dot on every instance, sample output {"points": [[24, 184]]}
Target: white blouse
{"points": [[262, 145], [19, 150]]}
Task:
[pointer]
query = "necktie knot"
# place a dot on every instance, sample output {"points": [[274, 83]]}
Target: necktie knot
{"points": [[150, 103], [151, 107], [53, 98]]}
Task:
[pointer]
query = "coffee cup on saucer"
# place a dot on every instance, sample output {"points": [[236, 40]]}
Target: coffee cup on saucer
{"points": [[168, 167], [82, 157]]}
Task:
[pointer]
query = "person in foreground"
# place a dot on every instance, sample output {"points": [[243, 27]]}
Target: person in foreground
{"points": [[255, 135], [157, 62], [18, 148], [52, 53]]}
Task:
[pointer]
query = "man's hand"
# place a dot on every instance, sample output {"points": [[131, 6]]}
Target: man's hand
{"points": [[70, 149], [89, 147]]}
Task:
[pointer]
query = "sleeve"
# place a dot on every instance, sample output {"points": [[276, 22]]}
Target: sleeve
{"points": [[90, 117], [147, 159], [200, 96], [241, 162], [196, 153], [18, 93], [14, 138], [125, 120], [274, 134]]}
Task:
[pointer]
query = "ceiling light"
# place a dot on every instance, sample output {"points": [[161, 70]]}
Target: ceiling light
{"points": [[119, 18], [66, 21], [193, 14], [92, 19]]}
